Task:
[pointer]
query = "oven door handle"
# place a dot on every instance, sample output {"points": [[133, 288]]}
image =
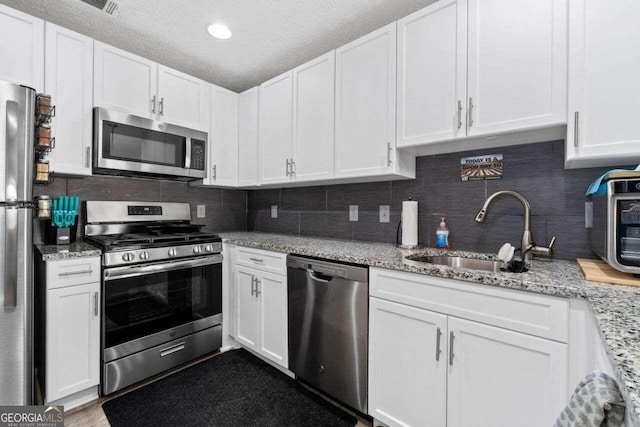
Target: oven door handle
{"points": [[139, 270]]}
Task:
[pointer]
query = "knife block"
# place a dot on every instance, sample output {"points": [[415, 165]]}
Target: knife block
{"points": [[53, 235]]}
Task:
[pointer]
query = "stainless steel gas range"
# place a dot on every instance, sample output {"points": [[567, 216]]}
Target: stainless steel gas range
{"points": [[161, 288]]}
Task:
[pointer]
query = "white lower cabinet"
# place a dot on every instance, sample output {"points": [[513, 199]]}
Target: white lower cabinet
{"points": [[436, 369], [261, 313], [72, 362], [499, 377], [407, 365]]}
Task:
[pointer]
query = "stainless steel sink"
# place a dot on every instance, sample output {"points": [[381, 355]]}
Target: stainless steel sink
{"points": [[458, 262]]}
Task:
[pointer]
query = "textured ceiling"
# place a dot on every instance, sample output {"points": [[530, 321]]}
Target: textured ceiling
{"points": [[269, 36]]}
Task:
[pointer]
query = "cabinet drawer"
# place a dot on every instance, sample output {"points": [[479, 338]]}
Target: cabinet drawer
{"points": [[273, 262], [71, 272], [533, 314]]}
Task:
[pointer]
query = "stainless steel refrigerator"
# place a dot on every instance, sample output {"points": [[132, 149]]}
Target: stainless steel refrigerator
{"points": [[17, 112]]}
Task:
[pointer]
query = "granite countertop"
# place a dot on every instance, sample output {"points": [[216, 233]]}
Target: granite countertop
{"points": [[616, 309], [77, 249]]}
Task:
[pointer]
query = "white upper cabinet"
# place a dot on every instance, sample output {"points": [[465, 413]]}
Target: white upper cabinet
{"points": [[432, 74], [604, 87], [124, 81], [183, 99], [366, 104], [21, 48], [276, 129], [69, 81], [313, 119], [517, 65], [248, 137], [223, 138]]}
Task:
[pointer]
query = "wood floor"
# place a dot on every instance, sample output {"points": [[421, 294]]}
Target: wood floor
{"points": [[92, 415]]}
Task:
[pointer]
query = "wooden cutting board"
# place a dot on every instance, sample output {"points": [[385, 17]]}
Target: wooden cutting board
{"points": [[596, 270]]}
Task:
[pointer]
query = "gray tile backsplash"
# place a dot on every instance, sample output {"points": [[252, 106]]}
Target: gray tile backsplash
{"points": [[536, 170], [226, 210]]}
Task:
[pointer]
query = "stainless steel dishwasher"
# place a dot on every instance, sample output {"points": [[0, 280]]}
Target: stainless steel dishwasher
{"points": [[328, 327]]}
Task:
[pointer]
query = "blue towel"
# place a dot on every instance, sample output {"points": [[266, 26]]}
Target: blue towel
{"points": [[599, 187]]}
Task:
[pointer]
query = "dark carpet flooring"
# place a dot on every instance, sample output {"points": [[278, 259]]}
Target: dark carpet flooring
{"points": [[232, 389]]}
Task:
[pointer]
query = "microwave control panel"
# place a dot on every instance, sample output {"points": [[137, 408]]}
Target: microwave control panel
{"points": [[197, 154]]}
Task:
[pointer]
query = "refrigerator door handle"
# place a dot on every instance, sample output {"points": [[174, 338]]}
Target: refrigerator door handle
{"points": [[11, 257], [11, 152]]}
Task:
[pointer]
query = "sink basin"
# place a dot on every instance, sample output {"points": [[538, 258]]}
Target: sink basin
{"points": [[458, 262]]}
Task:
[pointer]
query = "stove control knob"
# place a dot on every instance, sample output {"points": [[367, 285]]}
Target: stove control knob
{"points": [[208, 248], [196, 249], [173, 252], [144, 255], [127, 257]]}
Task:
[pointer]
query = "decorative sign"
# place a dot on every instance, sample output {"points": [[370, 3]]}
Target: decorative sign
{"points": [[481, 167]]}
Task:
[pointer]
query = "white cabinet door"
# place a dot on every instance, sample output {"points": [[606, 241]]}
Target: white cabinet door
{"points": [[517, 65], [21, 48], [503, 378], [124, 81], [366, 105], [432, 74], [313, 118], [223, 138], [272, 290], [603, 83], [248, 137], [276, 128], [246, 307], [183, 99], [407, 365], [72, 340], [69, 81]]}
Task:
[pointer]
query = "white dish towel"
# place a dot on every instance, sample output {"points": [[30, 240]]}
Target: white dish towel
{"points": [[596, 402]]}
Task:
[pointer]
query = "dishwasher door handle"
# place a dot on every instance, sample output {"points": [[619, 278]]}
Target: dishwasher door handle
{"points": [[312, 274]]}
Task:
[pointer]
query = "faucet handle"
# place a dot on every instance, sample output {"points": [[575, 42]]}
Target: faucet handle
{"points": [[552, 243], [541, 250]]}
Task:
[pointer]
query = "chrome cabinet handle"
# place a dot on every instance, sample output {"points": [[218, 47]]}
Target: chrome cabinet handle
{"points": [[87, 161], [253, 280], [293, 167], [451, 338], [470, 112], [438, 351], [258, 282], [74, 273], [162, 106], [153, 104], [288, 165], [576, 127], [95, 304], [256, 259], [173, 349], [459, 114], [389, 153], [215, 172]]}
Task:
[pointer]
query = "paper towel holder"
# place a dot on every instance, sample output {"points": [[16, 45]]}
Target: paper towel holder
{"points": [[398, 231]]}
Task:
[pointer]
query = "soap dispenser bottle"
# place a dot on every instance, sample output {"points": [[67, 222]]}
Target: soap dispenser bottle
{"points": [[442, 235]]}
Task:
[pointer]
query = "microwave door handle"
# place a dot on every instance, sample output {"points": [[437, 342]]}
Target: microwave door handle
{"points": [[187, 155]]}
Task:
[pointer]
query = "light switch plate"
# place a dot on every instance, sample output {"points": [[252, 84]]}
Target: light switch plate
{"points": [[274, 211], [201, 212], [384, 213], [588, 214], [353, 213]]}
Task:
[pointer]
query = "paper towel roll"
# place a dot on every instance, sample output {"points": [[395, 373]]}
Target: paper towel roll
{"points": [[410, 223]]}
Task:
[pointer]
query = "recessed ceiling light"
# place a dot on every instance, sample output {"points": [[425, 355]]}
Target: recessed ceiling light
{"points": [[219, 31]]}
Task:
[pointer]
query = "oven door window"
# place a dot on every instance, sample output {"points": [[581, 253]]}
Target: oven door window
{"points": [[628, 232], [138, 306], [134, 144]]}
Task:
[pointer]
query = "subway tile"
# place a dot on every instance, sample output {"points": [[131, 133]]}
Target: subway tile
{"points": [[57, 188], [368, 196], [325, 224], [263, 199], [572, 237], [287, 222], [114, 188], [368, 227], [234, 201], [180, 192], [304, 199]]}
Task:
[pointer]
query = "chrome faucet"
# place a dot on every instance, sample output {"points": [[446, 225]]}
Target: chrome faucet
{"points": [[529, 248]]}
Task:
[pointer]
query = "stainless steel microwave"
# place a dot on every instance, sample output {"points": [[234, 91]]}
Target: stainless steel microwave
{"points": [[615, 236], [124, 144]]}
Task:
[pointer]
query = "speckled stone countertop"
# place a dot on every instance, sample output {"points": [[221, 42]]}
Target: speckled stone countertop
{"points": [[77, 249], [616, 309]]}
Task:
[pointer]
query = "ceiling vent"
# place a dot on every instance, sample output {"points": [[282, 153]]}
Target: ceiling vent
{"points": [[108, 6]]}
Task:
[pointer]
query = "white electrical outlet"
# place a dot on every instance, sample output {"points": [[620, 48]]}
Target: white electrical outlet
{"points": [[384, 213], [588, 214], [353, 212], [274, 211], [200, 211]]}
